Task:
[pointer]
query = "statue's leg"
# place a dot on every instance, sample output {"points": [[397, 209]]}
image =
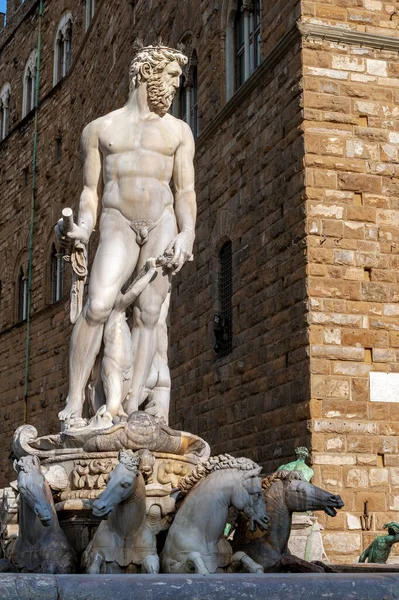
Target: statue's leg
{"points": [[114, 262], [242, 562], [147, 311], [150, 564], [113, 386], [160, 395]]}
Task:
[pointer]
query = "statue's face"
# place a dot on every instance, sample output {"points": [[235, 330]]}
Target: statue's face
{"points": [[162, 87], [170, 76]]}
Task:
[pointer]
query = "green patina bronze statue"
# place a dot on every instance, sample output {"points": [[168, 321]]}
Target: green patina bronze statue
{"points": [[299, 464], [380, 548]]}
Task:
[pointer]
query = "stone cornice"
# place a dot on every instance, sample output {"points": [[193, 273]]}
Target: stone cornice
{"points": [[346, 36]]}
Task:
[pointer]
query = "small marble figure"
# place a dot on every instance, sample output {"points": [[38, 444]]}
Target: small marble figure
{"points": [[380, 548]]}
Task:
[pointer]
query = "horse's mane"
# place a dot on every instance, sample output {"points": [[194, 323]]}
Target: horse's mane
{"points": [[280, 476], [215, 463]]}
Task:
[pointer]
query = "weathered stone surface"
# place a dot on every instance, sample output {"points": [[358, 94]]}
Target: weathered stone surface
{"points": [[342, 543], [225, 587]]}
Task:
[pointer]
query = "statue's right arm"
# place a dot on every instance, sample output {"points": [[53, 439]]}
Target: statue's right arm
{"points": [[88, 203]]}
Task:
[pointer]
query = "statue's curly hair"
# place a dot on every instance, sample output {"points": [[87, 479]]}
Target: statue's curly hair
{"points": [[157, 57]]}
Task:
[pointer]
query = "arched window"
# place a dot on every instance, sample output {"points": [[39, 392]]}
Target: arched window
{"points": [[239, 46], [57, 274], [5, 95], [223, 320], [182, 99], [22, 295], [90, 9], [29, 83], [186, 100], [194, 117], [63, 48], [242, 42]]}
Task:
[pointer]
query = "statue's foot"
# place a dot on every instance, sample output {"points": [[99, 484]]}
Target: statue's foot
{"points": [[73, 410], [73, 424]]}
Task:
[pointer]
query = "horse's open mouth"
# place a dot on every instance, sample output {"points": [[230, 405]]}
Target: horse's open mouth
{"points": [[330, 511]]}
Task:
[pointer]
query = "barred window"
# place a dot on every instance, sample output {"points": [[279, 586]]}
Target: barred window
{"points": [[225, 342]]}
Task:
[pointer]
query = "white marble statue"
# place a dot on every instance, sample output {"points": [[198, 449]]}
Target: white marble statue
{"points": [[143, 148]]}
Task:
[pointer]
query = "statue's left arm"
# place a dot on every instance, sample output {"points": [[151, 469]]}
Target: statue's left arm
{"points": [[185, 204]]}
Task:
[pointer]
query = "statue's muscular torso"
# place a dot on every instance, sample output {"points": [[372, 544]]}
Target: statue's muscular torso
{"points": [[138, 159]]}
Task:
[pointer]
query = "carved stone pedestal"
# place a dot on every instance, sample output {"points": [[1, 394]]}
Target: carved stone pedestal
{"points": [[86, 476], [77, 463]]}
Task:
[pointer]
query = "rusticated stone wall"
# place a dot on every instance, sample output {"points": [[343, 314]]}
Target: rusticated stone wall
{"points": [[351, 124]]}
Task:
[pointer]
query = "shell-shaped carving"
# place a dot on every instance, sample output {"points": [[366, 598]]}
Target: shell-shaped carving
{"points": [[22, 437]]}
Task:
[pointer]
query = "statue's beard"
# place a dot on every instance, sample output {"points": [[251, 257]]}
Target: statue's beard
{"points": [[159, 96]]}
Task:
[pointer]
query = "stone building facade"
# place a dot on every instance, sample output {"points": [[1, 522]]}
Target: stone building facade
{"points": [[297, 167]]}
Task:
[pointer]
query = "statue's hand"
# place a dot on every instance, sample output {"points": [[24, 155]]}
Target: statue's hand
{"points": [[180, 251], [77, 233]]}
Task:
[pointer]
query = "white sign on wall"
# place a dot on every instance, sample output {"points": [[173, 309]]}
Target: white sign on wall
{"points": [[384, 387]]}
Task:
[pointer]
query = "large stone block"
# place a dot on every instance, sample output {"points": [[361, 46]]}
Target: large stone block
{"points": [[342, 543]]}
